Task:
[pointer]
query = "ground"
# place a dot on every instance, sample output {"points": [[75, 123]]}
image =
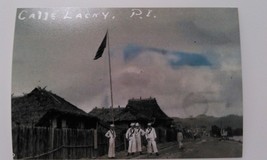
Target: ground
{"points": [[206, 147]]}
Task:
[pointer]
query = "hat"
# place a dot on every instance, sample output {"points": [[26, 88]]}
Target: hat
{"points": [[137, 124], [132, 124], [149, 124], [112, 125]]}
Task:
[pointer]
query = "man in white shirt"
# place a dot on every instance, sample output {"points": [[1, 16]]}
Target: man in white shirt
{"points": [[130, 136], [111, 134], [138, 133], [150, 137]]}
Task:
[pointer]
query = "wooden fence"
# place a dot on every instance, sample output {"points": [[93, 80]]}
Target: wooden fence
{"points": [[49, 143]]}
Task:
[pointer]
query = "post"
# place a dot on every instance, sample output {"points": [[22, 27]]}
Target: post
{"points": [[95, 139], [64, 142], [110, 81], [54, 123], [95, 149], [125, 143], [51, 142], [63, 123], [165, 135]]}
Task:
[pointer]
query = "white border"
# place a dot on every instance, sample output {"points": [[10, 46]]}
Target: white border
{"points": [[253, 30]]}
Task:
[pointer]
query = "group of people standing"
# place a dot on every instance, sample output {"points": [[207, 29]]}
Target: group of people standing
{"points": [[134, 136]]}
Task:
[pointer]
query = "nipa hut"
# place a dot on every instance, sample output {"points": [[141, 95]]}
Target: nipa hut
{"points": [[44, 108], [137, 110]]}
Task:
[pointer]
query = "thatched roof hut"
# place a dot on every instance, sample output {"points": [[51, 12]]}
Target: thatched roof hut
{"points": [[29, 109], [137, 110], [148, 107]]}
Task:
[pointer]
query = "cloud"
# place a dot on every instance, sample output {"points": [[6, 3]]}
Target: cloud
{"points": [[149, 74], [212, 27], [176, 58], [200, 36]]}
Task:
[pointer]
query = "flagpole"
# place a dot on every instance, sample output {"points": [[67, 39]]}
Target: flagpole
{"points": [[110, 81]]}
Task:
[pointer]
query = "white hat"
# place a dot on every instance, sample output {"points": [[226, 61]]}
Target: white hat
{"points": [[132, 124], [136, 124], [112, 125], [149, 124]]}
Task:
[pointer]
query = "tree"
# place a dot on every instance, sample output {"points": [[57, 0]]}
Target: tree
{"points": [[238, 132], [229, 131], [215, 131]]}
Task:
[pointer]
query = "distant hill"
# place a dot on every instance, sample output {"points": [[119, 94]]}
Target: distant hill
{"points": [[233, 121], [28, 109]]}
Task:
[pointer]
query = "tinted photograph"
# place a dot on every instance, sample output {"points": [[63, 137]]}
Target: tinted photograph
{"points": [[127, 83]]}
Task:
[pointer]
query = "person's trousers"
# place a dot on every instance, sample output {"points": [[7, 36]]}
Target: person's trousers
{"points": [[151, 144]]}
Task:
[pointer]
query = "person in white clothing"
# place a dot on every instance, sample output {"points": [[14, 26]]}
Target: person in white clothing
{"points": [[130, 136], [150, 137], [111, 134], [138, 133], [180, 139]]}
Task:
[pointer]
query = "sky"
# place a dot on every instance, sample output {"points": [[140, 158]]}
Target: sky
{"points": [[189, 59]]}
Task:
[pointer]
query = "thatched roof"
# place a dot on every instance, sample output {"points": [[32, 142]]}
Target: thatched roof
{"points": [[136, 110], [28, 109], [105, 114], [148, 107]]}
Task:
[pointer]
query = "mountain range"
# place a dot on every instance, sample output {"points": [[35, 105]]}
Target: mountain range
{"points": [[233, 121]]}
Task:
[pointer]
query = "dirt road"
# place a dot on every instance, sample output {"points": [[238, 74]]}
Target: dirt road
{"points": [[202, 148]]}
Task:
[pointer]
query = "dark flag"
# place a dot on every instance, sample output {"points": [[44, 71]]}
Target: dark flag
{"points": [[101, 48]]}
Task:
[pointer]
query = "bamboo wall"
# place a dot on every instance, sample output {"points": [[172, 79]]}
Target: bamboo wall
{"points": [[48, 143]]}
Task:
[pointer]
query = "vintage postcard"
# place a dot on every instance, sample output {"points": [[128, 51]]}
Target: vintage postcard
{"points": [[141, 83]]}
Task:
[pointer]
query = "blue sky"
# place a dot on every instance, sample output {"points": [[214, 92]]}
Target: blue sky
{"points": [[180, 58]]}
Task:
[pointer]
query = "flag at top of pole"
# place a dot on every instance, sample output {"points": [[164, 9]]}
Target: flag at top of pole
{"points": [[99, 54], [101, 48]]}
